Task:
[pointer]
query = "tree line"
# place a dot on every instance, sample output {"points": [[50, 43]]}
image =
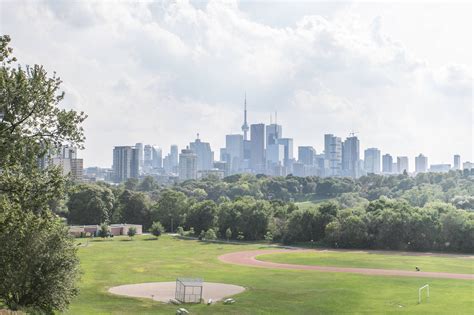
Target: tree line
{"points": [[431, 211]]}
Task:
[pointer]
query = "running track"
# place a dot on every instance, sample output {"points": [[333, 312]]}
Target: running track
{"points": [[247, 258]]}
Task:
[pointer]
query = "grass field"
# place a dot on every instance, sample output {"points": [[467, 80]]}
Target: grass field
{"points": [[461, 264], [107, 263]]}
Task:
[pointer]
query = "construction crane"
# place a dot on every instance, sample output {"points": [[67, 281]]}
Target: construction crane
{"points": [[353, 133]]}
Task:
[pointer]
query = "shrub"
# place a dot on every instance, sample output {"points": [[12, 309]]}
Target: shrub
{"points": [[210, 235], [104, 230], [157, 229], [132, 231]]}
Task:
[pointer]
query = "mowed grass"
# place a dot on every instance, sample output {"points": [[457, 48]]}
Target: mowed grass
{"points": [[379, 260], [107, 263]]}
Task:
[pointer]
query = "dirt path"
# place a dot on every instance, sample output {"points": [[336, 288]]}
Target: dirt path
{"points": [[247, 258]]}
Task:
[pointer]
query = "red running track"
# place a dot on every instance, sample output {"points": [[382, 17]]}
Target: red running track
{"points": [[247, 258]]}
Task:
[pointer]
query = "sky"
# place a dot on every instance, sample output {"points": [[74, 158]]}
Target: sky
{"points": [[398, 74]]}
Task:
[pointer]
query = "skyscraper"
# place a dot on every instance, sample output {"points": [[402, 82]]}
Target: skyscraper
{"points": [[257, 145], [205, 157], [245, 126], [333, 153], [187, 164], [288, 150], [274, 132], [421, 163], [139, 147], [125, 163], [234, 149], [306, 155], [387, 162], [350, 157], [372, 160], [174, 157], [402, 164], [457, 162], [157, 157]]}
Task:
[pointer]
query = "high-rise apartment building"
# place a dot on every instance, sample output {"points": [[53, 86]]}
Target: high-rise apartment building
{"points": [[125, 163], [205, 156], [402, 164], [351, 157], [421, 164], [257, 145], [333, 153], [372, 160], [139, 147], [306, 155], [387, 163], [457, 162], [234, 150], [187, 164]]}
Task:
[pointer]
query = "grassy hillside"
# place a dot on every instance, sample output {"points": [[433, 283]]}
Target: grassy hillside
{"points": [[107, 263]]}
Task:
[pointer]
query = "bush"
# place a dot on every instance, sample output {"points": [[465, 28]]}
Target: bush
{"points": [[104, 230], [180, 231], [157, 229], [132, 231], [210, 235]]}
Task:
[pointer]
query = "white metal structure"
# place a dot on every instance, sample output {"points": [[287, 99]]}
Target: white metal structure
{"points": [[427, 287]]}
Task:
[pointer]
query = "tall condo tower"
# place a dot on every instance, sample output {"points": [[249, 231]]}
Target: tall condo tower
{"points": [[245, 126]]}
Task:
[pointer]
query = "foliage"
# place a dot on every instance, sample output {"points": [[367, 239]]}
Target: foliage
{"points": [[104, 230], [210, 235], [202, 215], [38, 260], [157, 229], [132, 231], [135, 208], [90, 204], [38, 263], [170, 209]]}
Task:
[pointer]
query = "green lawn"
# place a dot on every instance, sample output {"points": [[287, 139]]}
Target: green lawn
{"points": [[459, 264], [119, 261]]}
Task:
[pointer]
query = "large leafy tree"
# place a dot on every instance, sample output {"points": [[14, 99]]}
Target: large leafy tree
{"points": [[38, 267], [203, 216], [90, 204], [171, 209], [135, 208]]}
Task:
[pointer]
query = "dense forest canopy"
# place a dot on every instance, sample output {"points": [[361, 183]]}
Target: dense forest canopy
{"points": [[431, 211]]}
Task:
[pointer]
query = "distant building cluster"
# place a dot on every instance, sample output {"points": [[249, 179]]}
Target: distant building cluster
{"points": [[260, 149], [66, 157]]}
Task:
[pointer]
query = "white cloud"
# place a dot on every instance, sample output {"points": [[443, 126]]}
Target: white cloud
{"points": [[159, 72]]}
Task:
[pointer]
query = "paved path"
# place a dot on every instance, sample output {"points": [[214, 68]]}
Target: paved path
{"points": [[247, 258]]}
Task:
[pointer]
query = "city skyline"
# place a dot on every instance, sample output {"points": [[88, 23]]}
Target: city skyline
{"points": [[267, 152], [326, 68]]}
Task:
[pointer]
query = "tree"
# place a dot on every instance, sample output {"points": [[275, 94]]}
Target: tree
{"points": [[228, 234], [104, 230], [90, 204], [132, 231], [157, 229], [202, 216], [134, 208], [268, 237], [38, 263], [148, 184], [170, 209], [210, 235]]}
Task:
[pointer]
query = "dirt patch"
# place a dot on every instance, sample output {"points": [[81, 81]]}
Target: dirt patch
{"points": [[164, 291], [247, 258]]}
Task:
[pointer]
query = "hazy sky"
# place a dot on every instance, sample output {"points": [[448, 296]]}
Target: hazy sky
{"points": [[399, 74]]}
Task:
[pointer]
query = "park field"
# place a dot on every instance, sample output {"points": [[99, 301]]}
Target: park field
{"points": [[117, 261], [377, 260]]}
